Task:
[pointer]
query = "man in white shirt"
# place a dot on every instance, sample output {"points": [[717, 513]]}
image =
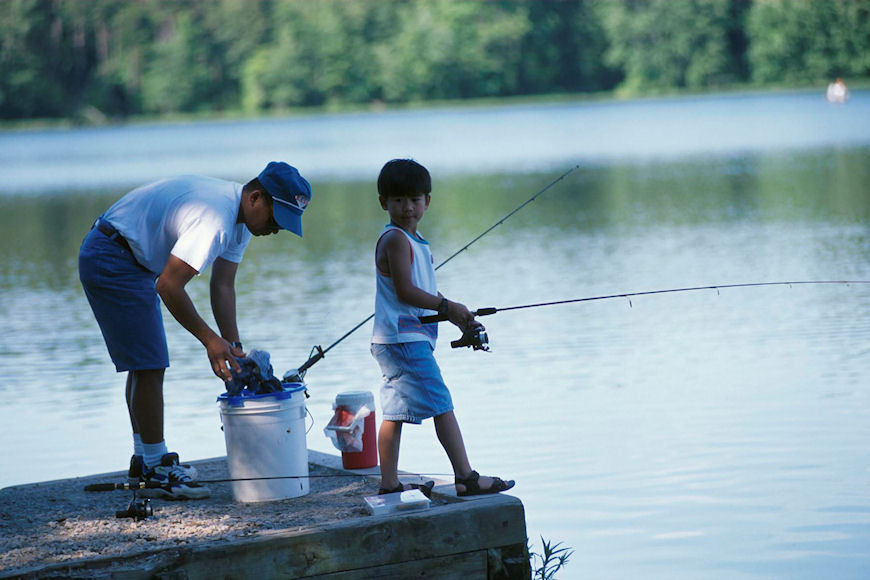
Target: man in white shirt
{"points": [[146, 248]]}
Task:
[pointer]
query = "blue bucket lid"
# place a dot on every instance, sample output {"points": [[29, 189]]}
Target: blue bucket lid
{"points": [[289, 389]]}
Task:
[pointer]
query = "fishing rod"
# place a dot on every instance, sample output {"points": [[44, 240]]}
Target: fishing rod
{"points": [[127, 486], [317, 353], [140, 508], [478, 339]]}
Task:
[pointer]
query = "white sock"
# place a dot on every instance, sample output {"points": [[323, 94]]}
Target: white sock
{"points": [[137, 445], [153, 453]]}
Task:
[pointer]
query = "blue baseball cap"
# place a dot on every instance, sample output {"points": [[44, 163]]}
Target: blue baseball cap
{"points": [[290, 194]]}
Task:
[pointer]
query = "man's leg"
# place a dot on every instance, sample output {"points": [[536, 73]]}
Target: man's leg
{"points": [[145, 404], [129, 396]]}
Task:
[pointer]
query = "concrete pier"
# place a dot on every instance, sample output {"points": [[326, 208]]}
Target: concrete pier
{"points": [[55, 529]]}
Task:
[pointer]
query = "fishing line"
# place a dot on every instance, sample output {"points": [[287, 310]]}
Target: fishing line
{"points": [[318, 353], [492, 310], [477, 339]]}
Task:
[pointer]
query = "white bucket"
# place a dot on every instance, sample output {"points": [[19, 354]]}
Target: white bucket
{"points": [[265, 436]]}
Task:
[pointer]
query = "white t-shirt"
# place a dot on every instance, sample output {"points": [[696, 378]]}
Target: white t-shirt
{"points": [[191, 217]]}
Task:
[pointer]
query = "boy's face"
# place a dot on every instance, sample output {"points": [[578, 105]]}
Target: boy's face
{"points": [[406, 212]]}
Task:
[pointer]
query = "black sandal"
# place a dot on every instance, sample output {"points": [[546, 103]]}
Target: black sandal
{"points": [[472, 485], [426, 488]]}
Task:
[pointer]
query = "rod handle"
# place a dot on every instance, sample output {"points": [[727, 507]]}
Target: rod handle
{"points": [[313, 359], [433, 318], [441, 317], [101, 487]]}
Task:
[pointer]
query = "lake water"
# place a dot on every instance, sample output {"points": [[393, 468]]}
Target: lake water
{"points": [[688, 435]]}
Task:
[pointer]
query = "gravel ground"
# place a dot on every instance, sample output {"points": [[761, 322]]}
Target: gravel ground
{"points": [[55, 522]]}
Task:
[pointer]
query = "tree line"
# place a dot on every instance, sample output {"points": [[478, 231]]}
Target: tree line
{"points": [[60, 58]]}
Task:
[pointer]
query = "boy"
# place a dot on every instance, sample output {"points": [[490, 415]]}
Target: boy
{"points": [[413, 389], [144, 250]]}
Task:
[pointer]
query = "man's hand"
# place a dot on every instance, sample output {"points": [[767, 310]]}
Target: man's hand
{"points": [[222, 356]]}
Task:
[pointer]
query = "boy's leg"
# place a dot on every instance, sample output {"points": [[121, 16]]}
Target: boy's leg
{"points": [[447, 429], [389, 437]]}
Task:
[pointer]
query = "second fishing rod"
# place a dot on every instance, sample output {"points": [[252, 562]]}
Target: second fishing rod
{"points": [[317, 352], [478, 339]]}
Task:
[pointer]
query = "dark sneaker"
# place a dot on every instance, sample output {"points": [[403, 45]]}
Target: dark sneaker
{"points": [[170, 480], [137, 469]]}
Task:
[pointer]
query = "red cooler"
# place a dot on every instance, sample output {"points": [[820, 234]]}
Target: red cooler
{"points": [[368, 457]]}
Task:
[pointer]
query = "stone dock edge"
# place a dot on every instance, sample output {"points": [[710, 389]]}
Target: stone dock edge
{"points": [[478, 537]]}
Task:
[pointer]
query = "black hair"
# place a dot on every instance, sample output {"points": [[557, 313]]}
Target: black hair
{"points": [[404, 178], [254, 184]]}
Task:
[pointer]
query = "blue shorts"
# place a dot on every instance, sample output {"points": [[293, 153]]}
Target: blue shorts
{"points": [[413, 389], [124, 299]]}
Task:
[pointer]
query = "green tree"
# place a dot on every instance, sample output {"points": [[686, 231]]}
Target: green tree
{"points": [[444, 49], [321, 53], [177, 74], [124, 33], [234, 30], [800, 41], [564, 48], [661, 44], [43, 57], [68, 58]]}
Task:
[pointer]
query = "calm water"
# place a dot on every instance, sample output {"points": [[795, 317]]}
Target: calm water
{"points": [[692, 435]]}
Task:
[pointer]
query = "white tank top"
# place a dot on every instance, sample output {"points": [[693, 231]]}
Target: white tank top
{"points": [[396, 321]]}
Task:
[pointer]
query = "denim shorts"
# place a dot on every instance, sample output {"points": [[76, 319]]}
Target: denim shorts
{"points": [[413, 389], [124, 299]]}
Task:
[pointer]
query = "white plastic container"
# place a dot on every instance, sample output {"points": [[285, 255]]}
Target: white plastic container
{"points": [[265, 437]]}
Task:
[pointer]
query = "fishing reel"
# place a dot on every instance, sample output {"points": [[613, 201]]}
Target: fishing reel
{"points": [[476, 338], [138, 509]]}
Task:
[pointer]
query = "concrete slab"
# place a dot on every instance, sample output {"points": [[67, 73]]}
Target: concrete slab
{"points": [[53, 529]]}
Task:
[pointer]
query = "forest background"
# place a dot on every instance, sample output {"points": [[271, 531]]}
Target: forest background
{"points": [[108, 60]]}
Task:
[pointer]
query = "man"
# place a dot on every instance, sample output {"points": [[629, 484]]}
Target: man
{"points": [[146, 248]]}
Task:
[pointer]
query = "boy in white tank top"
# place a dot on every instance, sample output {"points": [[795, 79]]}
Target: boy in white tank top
{"points": [[413, 389]]}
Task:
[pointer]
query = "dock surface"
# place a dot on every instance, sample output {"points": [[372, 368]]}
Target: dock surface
{"points": [[56, 528]]}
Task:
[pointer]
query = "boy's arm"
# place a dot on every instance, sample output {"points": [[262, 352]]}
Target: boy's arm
{"points": [[394, 252]]}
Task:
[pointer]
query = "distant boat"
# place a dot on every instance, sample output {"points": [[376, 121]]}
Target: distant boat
{"points": [[837, 92]]}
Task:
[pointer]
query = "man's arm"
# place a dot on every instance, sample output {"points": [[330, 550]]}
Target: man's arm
{"points": [[170, 286], [223, 299]]}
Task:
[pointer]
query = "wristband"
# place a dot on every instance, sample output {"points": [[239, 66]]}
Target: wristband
{"points": [[442, 308], [238, 345]]}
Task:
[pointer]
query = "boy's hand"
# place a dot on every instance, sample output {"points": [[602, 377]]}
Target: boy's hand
{"points": [[461, 316]]}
